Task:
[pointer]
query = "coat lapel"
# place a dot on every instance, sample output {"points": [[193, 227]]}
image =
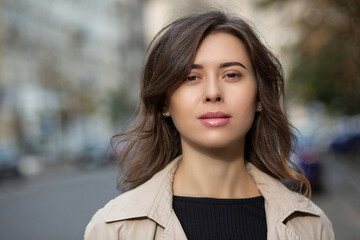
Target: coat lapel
{"points": [[280, 203], [153, 200]]}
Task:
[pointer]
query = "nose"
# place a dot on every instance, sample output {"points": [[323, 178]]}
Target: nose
{"points": [[212, 91]]}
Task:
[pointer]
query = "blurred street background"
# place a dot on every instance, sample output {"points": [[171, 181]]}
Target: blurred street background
{"points": [[70, 76]]}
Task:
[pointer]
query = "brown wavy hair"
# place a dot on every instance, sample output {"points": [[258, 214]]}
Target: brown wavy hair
{"points": [[153, 141]]}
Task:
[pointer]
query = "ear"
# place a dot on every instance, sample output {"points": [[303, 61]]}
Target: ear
{"points": [[166, 105]]}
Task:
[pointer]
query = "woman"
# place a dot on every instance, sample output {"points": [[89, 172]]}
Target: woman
{"points": [[205, 155]]}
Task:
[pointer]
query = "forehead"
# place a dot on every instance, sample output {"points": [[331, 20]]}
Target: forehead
{"points": [[221, 47]]}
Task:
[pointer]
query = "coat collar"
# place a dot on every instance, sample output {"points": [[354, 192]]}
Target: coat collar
{"points": [[280, 202], [153, 199]]}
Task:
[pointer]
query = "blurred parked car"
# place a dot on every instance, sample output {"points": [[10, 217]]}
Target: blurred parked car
{"points": [[346, 143], [95, 155], [8, 162], [308, 158]]}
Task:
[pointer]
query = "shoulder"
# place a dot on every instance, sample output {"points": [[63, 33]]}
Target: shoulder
{"points": [[291, 210], [119, 220], [306, 224], [98, 228], [302, 217], [141, 209], [117, 216]]}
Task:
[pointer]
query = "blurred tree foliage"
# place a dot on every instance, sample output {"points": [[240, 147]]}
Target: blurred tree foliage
{"points": [[120, 105], [326, 58]]}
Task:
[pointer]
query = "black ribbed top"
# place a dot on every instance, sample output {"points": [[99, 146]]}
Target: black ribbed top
{"points": [[215, 218]]}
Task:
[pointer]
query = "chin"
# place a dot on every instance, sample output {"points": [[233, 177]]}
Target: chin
{"points": [[216, 143]]}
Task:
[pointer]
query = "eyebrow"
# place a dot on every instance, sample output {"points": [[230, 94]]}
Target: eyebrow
{"points": [[229, 64], [222, 65]]}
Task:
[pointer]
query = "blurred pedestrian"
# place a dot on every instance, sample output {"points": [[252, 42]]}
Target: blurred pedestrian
{"points": [[210, 144]]}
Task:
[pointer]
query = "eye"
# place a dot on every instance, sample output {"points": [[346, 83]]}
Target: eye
{"points": [[233, 75], [192, 78]]}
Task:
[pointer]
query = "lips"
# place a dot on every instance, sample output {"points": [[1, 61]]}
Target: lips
{"points": [[214, 119], [216, 114]]}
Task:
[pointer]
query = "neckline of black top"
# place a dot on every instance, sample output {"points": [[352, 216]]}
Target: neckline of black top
{"points": [[209, 200]]}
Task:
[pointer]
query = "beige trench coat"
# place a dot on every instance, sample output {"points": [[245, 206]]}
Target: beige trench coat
{"points": [[146, 212]]}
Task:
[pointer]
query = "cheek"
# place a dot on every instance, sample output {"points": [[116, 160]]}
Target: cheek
{"points": [[182, 107], [243, 99], [183, 100]]}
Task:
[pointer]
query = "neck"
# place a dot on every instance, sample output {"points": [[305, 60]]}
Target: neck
{"points": [[214, 172]]}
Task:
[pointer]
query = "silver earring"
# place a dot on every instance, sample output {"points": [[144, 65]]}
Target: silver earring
{"points": [[166, 114], [259, 108]]}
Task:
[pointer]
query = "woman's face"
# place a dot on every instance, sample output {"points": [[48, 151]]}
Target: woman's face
{"points": [[215, 106]]}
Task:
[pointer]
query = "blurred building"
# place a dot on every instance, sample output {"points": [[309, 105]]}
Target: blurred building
{"points": [[61, 64]]}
